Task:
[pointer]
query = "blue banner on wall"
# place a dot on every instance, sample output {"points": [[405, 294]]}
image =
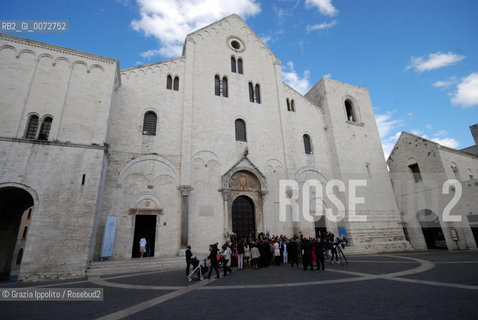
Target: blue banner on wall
{"points": [[342, 232], [108, 237]]}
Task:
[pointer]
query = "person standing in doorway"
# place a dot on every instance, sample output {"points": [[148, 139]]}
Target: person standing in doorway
{"points": [[142, 246]]}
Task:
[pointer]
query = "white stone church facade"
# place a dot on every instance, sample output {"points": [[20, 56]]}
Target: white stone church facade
{"points": [[181, 151]]}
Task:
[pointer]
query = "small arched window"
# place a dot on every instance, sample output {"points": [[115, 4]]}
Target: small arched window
{"points": [[169, 82], [233, 64], [217, 85], [149, 123], [307, 144], [32, 127], [240, 130], [288, 104], [239, 66], [251, 92], [349, 109], [45, 129], [176, 84], [25, 231], [292, 105], [224, 87], [258, 93]]}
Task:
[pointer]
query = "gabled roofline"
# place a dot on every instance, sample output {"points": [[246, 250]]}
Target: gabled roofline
{"points": [[436, 144], [227, 18], [57, 48], [152, 64]]}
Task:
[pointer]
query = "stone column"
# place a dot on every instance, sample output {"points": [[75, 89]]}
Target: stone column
{"points": [[225, 195], [185, 191]]}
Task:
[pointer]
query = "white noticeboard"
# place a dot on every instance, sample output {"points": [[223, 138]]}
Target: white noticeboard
{"points": [[108, 237]]}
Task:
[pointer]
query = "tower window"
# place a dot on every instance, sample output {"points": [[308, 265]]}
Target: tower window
{"points": [[288, 104], [415, 171], [224, 87], [45, 129], [292, 105], [239, 66], [176, 84], [217, 85], [258, 93], [307, 144], [251, 92], [240, 130], [149, 123], [32, 127], [349, 109], [233, 64], [169, 82]]}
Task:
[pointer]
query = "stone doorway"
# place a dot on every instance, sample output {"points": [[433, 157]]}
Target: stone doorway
{"points": [[432, 230], [243, 217], [145, 226], [13, 203]]}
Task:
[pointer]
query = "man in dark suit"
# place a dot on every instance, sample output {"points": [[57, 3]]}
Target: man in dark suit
{"points": [[319, 253], [213, 258], [189, 255], [293, 252]]}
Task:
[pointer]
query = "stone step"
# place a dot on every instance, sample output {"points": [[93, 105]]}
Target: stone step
{"points": [[97, 268]]}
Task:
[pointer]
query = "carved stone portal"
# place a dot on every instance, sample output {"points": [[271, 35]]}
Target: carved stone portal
{"points": [[245, 183]]}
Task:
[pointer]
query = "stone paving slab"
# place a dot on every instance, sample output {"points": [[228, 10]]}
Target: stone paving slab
{"points": [[434, 285]]}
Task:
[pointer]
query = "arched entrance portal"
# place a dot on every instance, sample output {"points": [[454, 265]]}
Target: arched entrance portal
{"points": [[13, 202], [432, 231], [243, 217]]}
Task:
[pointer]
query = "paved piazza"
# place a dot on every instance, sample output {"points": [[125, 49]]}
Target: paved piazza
{"points": [[431, 285]]}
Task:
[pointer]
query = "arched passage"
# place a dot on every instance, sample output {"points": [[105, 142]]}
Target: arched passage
{"points": [[432, 231], [13, 202], [243, 217]]}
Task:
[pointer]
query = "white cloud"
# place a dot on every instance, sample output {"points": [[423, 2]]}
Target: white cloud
{"points": [[418, 132], [447, 142], [429, 126], [290, 76], [321, 26], [441, 133], [467, 91], [445, 84], [328, 75], [170, 21], [325, 6], [386, 125], [265, 39], [434, 61]]}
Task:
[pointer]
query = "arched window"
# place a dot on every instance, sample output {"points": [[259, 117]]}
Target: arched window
{"points": [[176, 83], [239, 66], [292, 105], [349, 109], [45, 129], [169, 82], [25, 230], [251, 92], [149, 123], [233, 64], [307, 144], [32, 127], [240, 130], [224, 87], [258, 93], [217, 85], [288, 104]]}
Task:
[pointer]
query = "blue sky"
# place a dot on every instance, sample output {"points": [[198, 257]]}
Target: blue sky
{"points": [[419, 59]]}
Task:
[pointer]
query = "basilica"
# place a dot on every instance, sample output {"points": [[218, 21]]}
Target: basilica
{"points": [[184, 151]]}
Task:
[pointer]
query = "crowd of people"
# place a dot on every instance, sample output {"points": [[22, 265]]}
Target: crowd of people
{"points": [[266, 250]]}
